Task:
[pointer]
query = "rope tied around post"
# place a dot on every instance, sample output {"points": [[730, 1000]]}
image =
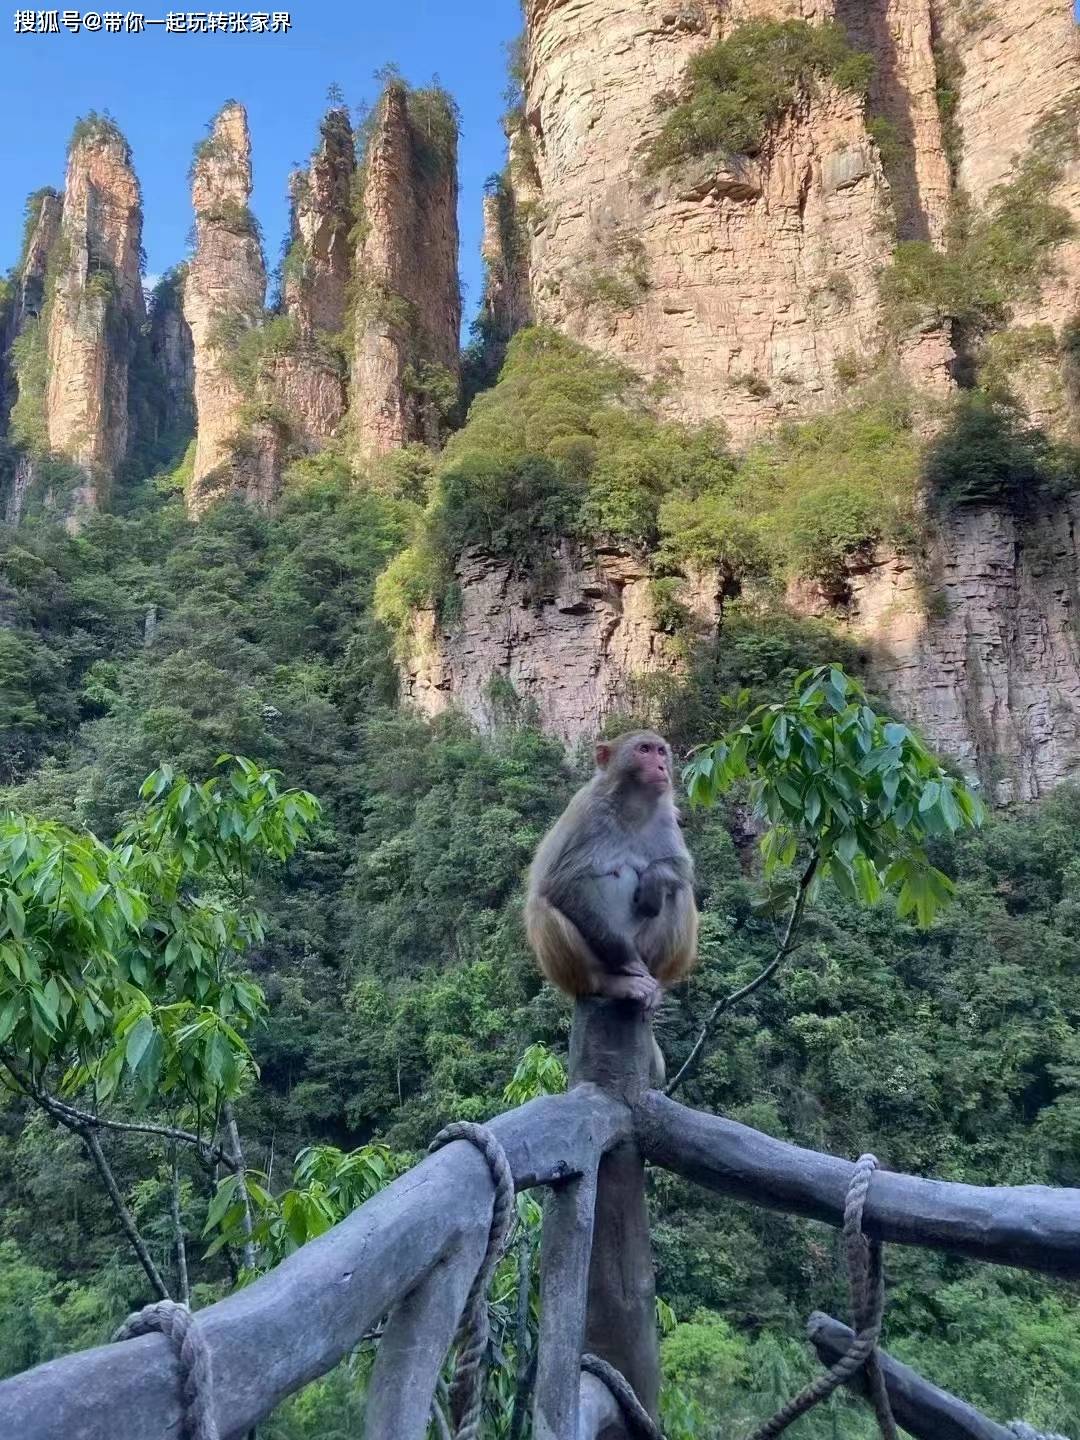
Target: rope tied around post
{"points": [[866, 1285], [181, 1329], [638, 1420], [467, 1391]]}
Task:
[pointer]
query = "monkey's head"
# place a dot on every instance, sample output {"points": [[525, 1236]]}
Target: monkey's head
{"points": [[642, 760]]}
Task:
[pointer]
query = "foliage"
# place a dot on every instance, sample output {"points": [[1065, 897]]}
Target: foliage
{"points": [[28, 425], [741, 87], [117, 967], [990, 455], [993, 259], [98, 128], [860, 793], [329, 1185]]}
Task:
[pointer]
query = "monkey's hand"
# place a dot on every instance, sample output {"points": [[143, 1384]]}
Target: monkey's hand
{"points": [[649, 895], [642, 988]]}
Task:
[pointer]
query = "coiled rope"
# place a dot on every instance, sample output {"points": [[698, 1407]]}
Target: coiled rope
{"points": [[638, 1420], [467, 1391]]}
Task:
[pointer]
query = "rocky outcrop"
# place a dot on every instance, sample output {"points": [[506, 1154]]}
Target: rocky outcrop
{"points": [[1016, 68], [23, 302], [43, 231], [408, 313], [172, 352], [745, 283], [224, 293], [978, 644], [903, 92], [95, 308], [308, 384], [574, 645], [318, 265]]}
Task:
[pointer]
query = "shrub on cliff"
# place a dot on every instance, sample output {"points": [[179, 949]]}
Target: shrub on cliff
{"points": [[996, 257], [739, 88], [990, 455]]}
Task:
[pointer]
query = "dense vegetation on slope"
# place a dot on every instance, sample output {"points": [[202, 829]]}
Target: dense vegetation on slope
{"points": [[569, 445], [401, 992]]}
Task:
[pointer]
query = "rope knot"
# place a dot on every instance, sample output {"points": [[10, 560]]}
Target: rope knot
{"points": [[180, 1328]]}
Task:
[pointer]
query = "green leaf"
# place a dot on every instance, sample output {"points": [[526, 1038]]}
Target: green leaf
{"points": [[139, 1037], [16, 916]]}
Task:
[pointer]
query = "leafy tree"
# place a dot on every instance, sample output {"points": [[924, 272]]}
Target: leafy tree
{"points": [[121, 969], [859, 796]]}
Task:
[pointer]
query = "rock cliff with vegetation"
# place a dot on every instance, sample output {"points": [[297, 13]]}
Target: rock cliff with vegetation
{"points": [[224, 296]]}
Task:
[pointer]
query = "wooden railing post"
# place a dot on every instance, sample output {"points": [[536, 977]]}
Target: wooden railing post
{"points": [[612, 1047]]}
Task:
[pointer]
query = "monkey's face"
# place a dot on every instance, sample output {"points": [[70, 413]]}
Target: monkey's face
{"points": [[652, 762], [642, 759]]}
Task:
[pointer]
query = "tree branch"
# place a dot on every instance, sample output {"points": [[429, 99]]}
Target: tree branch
{"points": [[61, 1110], [178, 1233], [786, 947], [250, 1256], [93, 1145]]}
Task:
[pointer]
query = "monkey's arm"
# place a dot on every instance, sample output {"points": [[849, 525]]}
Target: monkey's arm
{"points": [[584, 902], [662, 877]]}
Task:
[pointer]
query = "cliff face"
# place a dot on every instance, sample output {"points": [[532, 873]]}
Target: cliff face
{"points": [[1017, 70], [408, 319], [95, 309], [743, 283], [172, 352], [30, 286], [224, 292], [308, 384], [573, 647], [978, 644], [980, 647]]}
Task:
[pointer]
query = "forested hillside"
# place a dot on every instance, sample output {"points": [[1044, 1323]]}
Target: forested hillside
{"points": [[401, 994]]}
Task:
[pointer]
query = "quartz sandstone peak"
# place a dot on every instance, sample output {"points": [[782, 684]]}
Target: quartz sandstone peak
{"points": [[408, 305], [43, 235], [319, 262], [224, 293], [307, 384], [173, 354], [95, 308]]}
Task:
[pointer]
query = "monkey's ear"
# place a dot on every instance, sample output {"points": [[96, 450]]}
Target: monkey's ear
{"points": [[603, 754]]}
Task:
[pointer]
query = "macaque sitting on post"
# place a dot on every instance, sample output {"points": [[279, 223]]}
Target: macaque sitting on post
{"points": [[611, 908]]}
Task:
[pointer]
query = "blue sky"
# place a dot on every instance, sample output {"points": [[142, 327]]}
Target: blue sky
{"points": [[163, 88]]}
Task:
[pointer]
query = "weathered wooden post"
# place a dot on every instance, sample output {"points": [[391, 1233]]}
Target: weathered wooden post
{"points": [[612, 1047]]}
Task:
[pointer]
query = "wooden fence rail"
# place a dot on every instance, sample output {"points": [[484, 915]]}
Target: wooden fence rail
{"points": [[411, 1252]]}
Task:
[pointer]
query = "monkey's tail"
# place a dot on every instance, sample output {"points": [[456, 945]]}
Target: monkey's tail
{"points": [[658, 1073]]}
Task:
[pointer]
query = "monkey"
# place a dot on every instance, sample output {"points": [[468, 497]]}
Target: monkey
{"points": [[610, 908]]}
